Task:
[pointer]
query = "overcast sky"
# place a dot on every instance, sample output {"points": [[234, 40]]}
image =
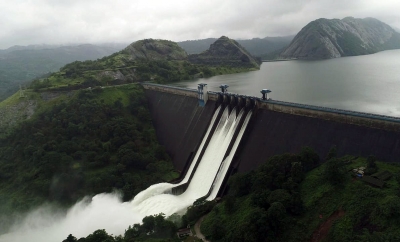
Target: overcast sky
{"points": [[25, 22]]}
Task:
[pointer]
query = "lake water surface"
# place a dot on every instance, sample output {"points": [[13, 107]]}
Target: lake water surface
{"points": [[369, 83]]}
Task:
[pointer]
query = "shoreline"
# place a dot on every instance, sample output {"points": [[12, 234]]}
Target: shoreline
{"points": [[276, 60]]}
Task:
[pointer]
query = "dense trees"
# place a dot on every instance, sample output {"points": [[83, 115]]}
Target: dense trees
{"points": [[86, 145], [153, 228], [261, 204], [281, 201], [371, 165], [334, 171]]}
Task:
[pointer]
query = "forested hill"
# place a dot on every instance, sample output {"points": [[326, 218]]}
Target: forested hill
{"points": [[331, 38], [160, 61], [21, 64]]}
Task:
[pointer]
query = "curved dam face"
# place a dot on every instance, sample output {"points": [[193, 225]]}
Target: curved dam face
{"points": [[181, 124]]}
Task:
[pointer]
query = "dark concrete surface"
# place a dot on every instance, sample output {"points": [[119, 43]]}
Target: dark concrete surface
{"points": [[274, 133], [179, 122], [180, 125]]}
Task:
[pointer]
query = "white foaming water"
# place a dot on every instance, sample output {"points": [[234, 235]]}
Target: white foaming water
{"points": [[189, 172], [106, 211], [204, 175], [212, 158], [153, 190], [167, 203], [227, 162]]}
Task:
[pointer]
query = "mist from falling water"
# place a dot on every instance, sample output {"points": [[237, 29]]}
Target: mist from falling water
{"points": [[103, 211], [106, 211]]}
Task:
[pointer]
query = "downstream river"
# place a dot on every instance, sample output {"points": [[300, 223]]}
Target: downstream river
{"points": [[369, 83]]}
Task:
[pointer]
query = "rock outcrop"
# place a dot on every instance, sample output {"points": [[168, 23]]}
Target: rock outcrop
{"points": [[225, 52], [332, 38]]}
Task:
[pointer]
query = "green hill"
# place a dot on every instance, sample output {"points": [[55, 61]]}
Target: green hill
{"points": [[21, 64], [160, 61]]}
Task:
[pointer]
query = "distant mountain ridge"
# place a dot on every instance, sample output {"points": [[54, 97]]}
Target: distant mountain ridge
{"points": [[332, 38], [117, 46], [256, 46], [29, 47]]}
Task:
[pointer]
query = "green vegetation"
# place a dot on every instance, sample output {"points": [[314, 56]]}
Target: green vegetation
{"points": [[160, 61], [97, 141], [287, 199], [153, 229], [134, 63], [16, 109], [118, 69]]}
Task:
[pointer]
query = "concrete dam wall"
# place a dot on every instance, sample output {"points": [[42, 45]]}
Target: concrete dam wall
{"points": [[276, 128], [274, 133], [179, 122]]}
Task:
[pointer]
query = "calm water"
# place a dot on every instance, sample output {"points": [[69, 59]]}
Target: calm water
{"points": [[368, 83]]}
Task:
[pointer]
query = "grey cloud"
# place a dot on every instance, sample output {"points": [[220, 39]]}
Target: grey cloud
{"points": [[59, 21]]}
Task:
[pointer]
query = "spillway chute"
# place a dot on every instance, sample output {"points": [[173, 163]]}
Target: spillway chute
{"points": [[208, 169]]}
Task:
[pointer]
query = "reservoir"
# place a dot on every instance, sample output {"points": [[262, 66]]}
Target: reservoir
{"points": [[369, 83]]}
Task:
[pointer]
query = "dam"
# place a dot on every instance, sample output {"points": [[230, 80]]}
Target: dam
{"points": [[210, 135], [276, 127]]}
